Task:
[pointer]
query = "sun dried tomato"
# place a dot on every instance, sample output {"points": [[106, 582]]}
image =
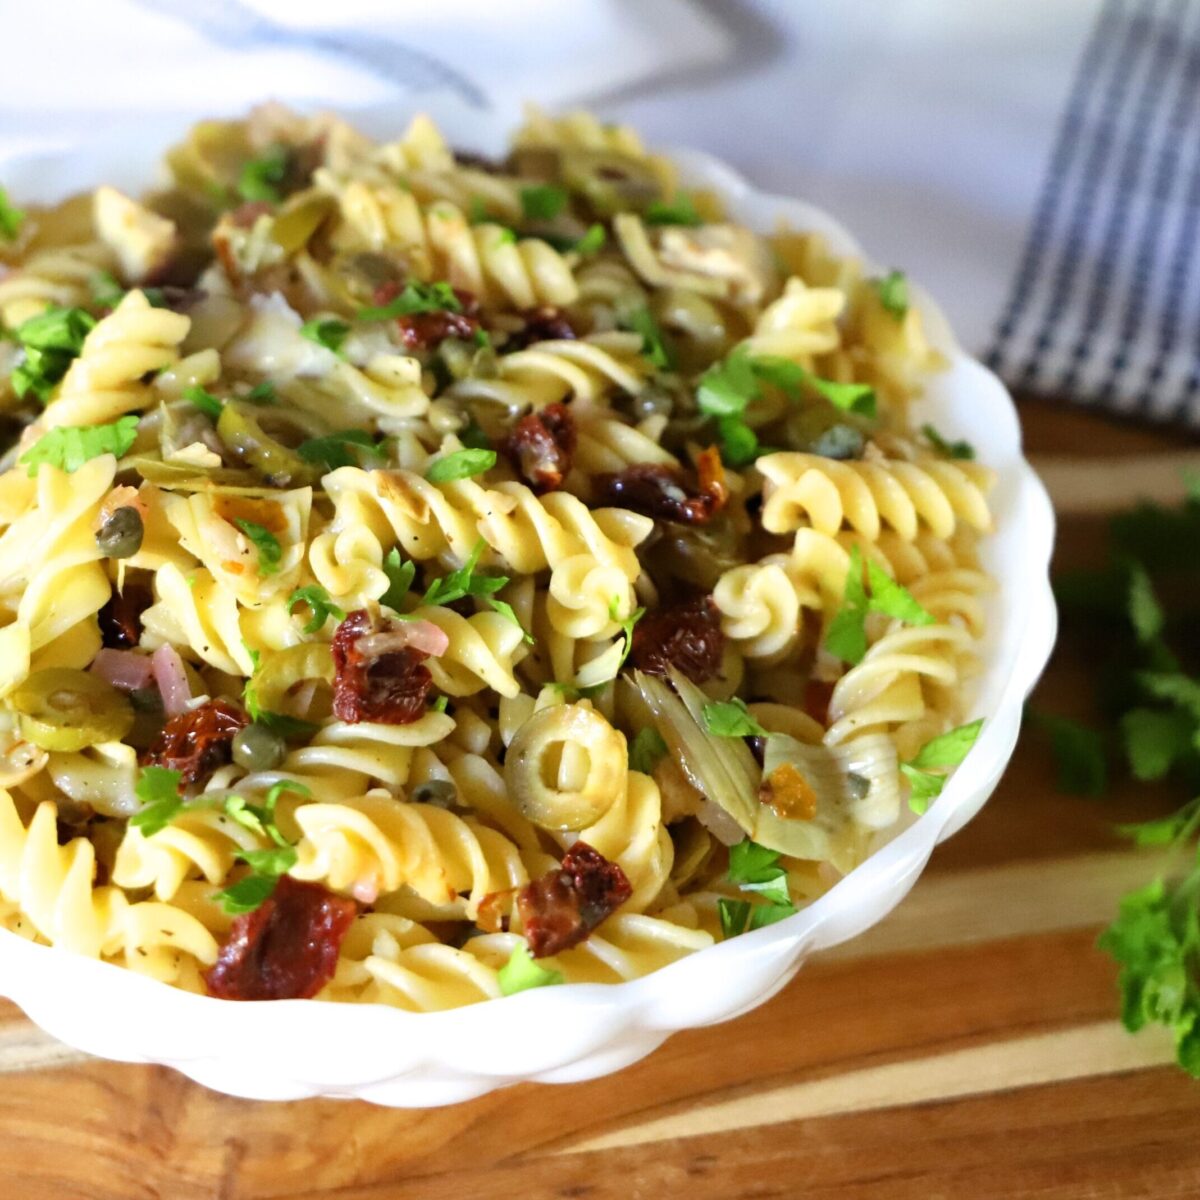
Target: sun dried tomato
{"points": [[817, 696], [541, 446], [561, 908], [286, 949], [685, 636], [390, 688], [423, 331], [543, 324], [660, 491], [121, 618], [195, 743]]}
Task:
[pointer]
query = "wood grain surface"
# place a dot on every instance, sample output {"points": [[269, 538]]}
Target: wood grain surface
{"points": [[966, 1047]]}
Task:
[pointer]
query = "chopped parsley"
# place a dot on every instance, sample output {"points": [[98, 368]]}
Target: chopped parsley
{"points": [[263, 393], [592, 242], [461, 464], [266, 867], [543, 202], [755, 869], [50, 342], [522, 972], [158, 790], [464, 582], [963, 450], [260, 177], [846, 637], [654, 344], [417, 297], [477, 212], [939, 754], [731, 718], [326, 331], [270, 552], [319, 605], [614, 607], [506, 610], [107, 292], [204, 400], [473, 436], [400, 575], [11, 218], [893, 293], [69, 446], [647, 750], [341, 449], [680, 211]]}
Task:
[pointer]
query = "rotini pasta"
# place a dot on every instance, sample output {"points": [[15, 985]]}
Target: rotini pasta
{"points": [[441, 585]]}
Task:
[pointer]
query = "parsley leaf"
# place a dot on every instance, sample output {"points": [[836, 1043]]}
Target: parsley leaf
{"points": [[680, 211], [647, 750], [1155, 939], [11, 218], [68, 447], [1078, 752], [158, 790], [944, 751], [756, 869], [204, 400], [106, 290], [506, 610], [464, 581], [260, 176], [49, 342], [522, 972], [400, 575], [739, 443], [328, 332], [963, 450], [893, 293], [1170, 830], [1155, 741], [334, 449], [270, 552], [262, 393], [462, 464], [1145, 612], [473, 436], [846, 637], [417, 297], [731, 718], [543, 202], [791, 377], [727, 387], [319, 605], [614, 607], [477, 212], [592, 242], [654, 344]]}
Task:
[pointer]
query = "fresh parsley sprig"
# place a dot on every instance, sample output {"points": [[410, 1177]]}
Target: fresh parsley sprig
{"points": [[270, 552], [320, 606], [522, 972], [925, 772], [11, 218], [755, 869], [68, 447], [49, 343], [345, 448], [417, 297], [846, 637]]}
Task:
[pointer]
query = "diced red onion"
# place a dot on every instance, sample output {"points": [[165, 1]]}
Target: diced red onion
{"points": [[424, 636], [171, 679], [124, 669]]}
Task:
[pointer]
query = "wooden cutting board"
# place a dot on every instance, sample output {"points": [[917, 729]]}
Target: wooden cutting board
{"points": [[966, 1047]]}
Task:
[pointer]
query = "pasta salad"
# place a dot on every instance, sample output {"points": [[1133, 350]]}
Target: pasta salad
{"points": [[425, 577]]}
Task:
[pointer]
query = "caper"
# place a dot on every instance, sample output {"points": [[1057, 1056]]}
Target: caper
{"points": [[121, 535], [440, 792], [257, 748], [839, 441], [653, 401]]}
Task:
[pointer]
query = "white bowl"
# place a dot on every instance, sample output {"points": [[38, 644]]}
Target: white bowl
{"points": [[284, 1050]]}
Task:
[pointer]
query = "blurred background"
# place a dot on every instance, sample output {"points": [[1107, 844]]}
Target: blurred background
{"points": [[1036, 167]]}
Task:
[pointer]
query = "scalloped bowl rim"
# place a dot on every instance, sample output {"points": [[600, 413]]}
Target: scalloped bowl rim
{"points": [[295, 1048]]}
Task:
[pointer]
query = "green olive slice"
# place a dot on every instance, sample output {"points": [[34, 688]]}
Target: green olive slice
{"points": [[240, 430], [64, 709]]}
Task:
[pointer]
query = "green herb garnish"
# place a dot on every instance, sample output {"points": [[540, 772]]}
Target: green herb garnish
{"points": [[654, 344], [522, 972], [260, 177], [893, 293], [846, 637], [319, 605], [68, 447], [50, 342], [204, 400], [543, 202], [680, 211], [461, 464], [11, 218], [158, 790], [417, 297], [326, 331], [937, 755], [647, 750], [341, 449], [731, 718], [963, 450], [270, 552]]}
